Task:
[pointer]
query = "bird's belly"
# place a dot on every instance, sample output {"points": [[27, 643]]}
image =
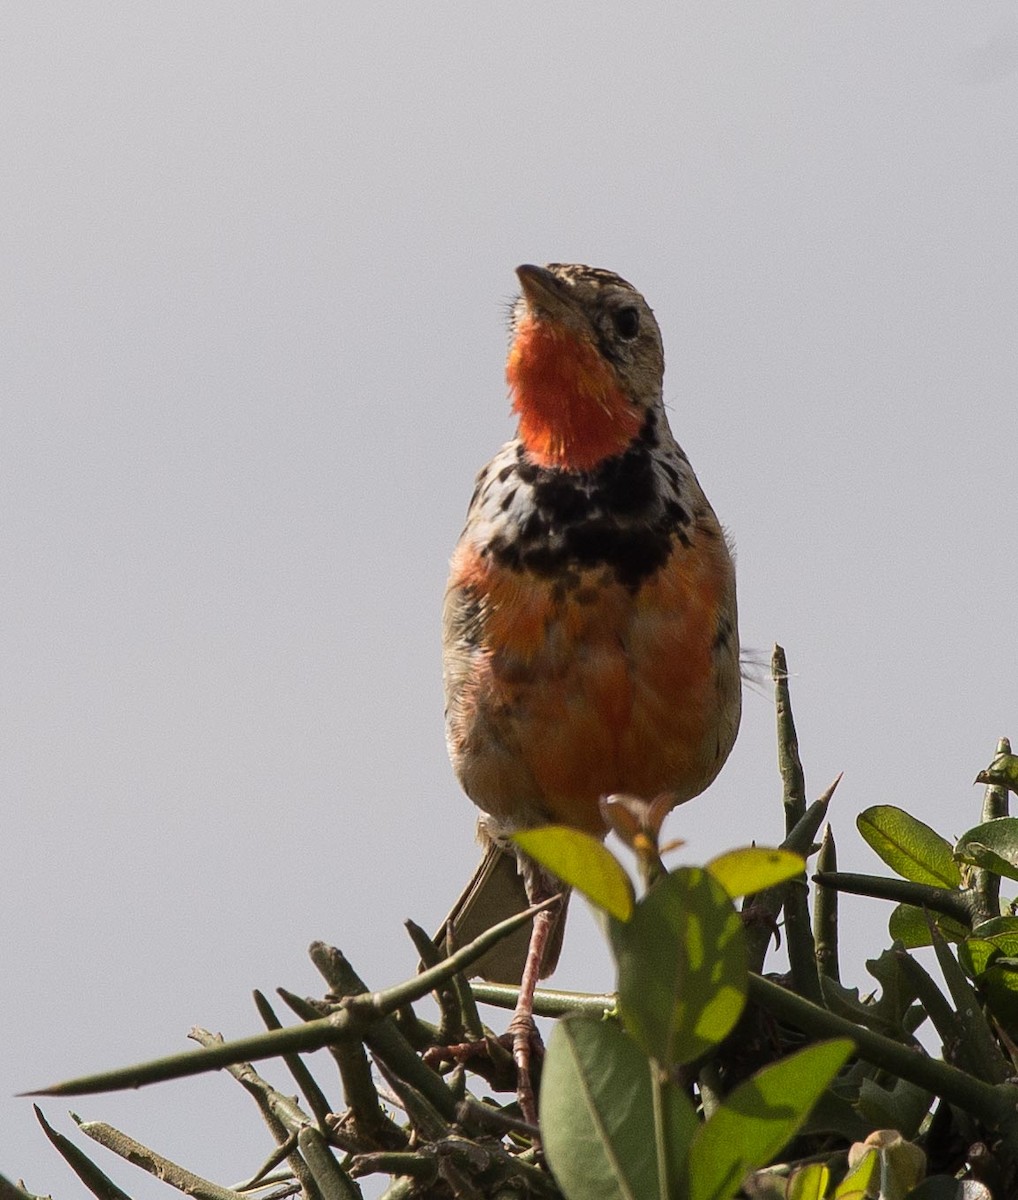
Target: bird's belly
{"points": [[591, 689]]}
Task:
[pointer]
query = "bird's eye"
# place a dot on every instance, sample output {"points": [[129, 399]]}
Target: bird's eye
{"points": [[627, 323]]}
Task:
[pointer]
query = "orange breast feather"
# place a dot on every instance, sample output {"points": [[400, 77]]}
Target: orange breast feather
{"points": [[572, 411], [596, 689]]}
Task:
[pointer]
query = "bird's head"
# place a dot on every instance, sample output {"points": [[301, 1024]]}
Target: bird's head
{"points": [[585, 364]]}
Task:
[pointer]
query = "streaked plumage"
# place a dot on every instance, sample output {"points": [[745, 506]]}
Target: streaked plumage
{"points": [[590, 628]]}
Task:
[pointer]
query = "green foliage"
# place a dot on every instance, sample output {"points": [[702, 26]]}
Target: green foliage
{"points": [[697, 1078], [682, 973], [582, 862], [758, 1118], [909, 847], [754, 869], [992, 845], [911, 927], [991, 962], [597, 1112]]}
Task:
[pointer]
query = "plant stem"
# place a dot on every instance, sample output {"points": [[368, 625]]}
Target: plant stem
{"points": [[825, 912], [547, 1001], [766, 905], [798, 932], [986, 884], [356, 1017], [996, 1104], [789, 763], [657, 1084], [948, 901], [313, 1094]]}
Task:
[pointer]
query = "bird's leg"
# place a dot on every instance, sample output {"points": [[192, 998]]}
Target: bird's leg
{"points": [[522, 1025]]}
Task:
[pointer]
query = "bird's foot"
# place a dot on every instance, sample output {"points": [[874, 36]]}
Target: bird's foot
{"points": [[498, 1061], [526, 1046], [489, 1057]]}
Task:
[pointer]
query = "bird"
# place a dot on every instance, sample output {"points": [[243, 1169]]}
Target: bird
{"points": [[590, 625]]}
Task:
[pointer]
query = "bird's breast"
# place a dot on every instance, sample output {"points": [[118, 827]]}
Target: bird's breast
{"points": [[566, 685]]}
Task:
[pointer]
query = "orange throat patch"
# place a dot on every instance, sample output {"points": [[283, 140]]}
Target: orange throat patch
{"points": [[573, 414]]}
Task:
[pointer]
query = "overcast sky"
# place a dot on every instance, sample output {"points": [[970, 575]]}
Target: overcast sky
{"points": [[255, 265]]}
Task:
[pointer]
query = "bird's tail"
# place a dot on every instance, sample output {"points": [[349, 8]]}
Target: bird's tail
{"points": [[496, 892]]}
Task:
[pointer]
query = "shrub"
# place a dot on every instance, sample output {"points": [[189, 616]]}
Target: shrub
{"points": [[701, 1078]]}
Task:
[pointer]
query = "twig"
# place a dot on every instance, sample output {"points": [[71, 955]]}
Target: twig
{"points": [[986, 884], [798, 931], [948, 901], [353, 1019], [95, 1179], [825, 912], [316, 1099], [996, 1104], [156, 1164]]}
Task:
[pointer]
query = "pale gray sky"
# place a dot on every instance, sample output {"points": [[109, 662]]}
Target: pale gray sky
{"points": [[255, 261]]}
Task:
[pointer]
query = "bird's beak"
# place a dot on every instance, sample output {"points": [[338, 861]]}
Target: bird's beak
{"points": [[548, 297]]}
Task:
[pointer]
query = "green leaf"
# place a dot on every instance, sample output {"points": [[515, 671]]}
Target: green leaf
{"points": [[995, 944], [856, 1184], [991, 959], [1000, 985], [681, 1125], [908, 925], [975, 954], [759, 1117], [910, 848], [992, 846], [581, 861], [902, 1106], [682, 967], [809, 1183], [997, 927], [993, 964], [833, 1113], [885, 1014], [754, 868], [804, 1183], [597, 1115], [902, 1163]]}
